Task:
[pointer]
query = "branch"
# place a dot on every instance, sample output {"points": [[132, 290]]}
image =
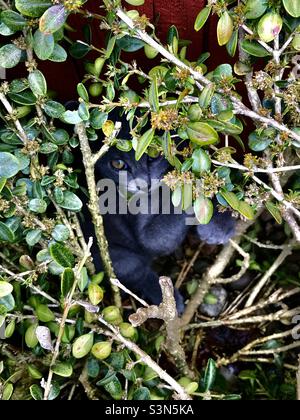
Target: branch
{"points": [[145, 358], [10, 110], [257, 170], [242, 271], [167, 312], [277, 263], [212, 274], [89, 163], [20, 279], [262, 43], [240, 108], [67, 306], [118, 284]]}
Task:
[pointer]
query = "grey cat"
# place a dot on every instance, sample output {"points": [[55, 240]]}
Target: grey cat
{"points": [[136, 240]]}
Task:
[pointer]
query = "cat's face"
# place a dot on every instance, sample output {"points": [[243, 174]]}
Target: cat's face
{"points": [[122, 168]]}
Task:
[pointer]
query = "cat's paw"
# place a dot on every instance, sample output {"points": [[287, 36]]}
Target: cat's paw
{"points": [[219, 231]]}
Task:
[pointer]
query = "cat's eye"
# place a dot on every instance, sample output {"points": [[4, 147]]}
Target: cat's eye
{"points": [[118, 164]]}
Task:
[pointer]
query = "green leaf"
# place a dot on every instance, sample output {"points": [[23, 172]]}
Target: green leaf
{"points": [[65, 370], [48, 148], [62, 256], [225, 28], [210, 375], [71, 117], [177, 197], [269, 26], [36, 391], [142, 394], [2, 183], [5, 289], [202, 134], [37, 205], [23, 98], [255, 8], [114, 388], [201, 161], [143, 143], [206, 96], [10, 56], [135, 2], [258, 143], [95, 293], [202, 17], [31, 339], [79, 50], [129, 44], [67, 281], [32, 8], [7, 391], [61, 233], [54, 109], [53, 19], [13, 20], [153, 95], [54, 391], [231, 199], [59, 54], [233, 43], [254, 48], [43, 45], [222, 71], [110, 47], [9, 165], [274, 211], [83, 112], [246, 210], [204, 210], [82, 92], [18, 85], [292, 7], [44, 314], [98, 118], [187, 196], [8, 302], [82, 346], [37, 83], [71, 202], [5, 30], [83, 280], [33, 237]]}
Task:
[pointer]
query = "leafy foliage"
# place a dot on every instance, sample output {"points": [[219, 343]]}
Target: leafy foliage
{"points": [[195, 118]]}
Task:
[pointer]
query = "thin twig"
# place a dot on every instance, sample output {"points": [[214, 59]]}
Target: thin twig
{"points": [[145, 358], [67, 307], [9, 109], [118, 284], [239, 107], [277, 263], [19, 278]]}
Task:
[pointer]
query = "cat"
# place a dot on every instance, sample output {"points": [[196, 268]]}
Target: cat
{"points": [[136, 240]]}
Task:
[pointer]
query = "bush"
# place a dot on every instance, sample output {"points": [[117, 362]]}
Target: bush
{"points": [[50, 294]]}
